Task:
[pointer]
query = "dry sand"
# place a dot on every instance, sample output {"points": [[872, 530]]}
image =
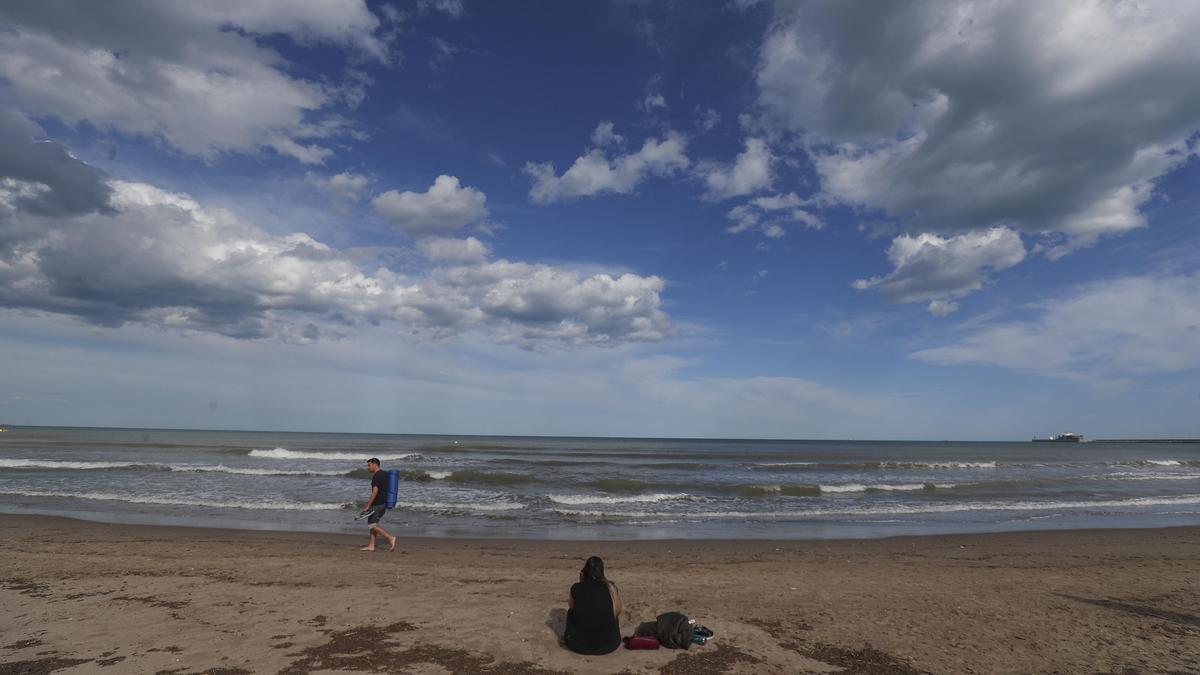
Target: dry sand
{"points": [[80, 597]]}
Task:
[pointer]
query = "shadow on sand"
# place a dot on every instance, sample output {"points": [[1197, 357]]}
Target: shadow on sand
{"points": [[557, 623], [1137, 610]]}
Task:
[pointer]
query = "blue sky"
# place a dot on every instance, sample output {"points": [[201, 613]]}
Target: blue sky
{"points": [[742, 219]]}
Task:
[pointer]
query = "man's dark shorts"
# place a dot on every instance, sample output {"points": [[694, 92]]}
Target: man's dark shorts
{"points": [[377, 512]]}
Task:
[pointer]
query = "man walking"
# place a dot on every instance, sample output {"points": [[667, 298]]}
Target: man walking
{"points": [[377, 506]]}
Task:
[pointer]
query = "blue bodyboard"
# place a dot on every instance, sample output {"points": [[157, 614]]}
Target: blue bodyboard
{"points": [[393, 487]]}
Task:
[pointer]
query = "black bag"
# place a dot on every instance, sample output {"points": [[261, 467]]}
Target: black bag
{"points": [[674, 631]]}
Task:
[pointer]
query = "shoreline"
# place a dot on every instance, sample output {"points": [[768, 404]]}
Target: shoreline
{"points": [[184, 530], [82, 596]]}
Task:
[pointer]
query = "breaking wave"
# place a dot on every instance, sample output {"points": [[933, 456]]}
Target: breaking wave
{"points": [[895, 509], [60, 464], [262, 504], [602, 499], [284, 453]]}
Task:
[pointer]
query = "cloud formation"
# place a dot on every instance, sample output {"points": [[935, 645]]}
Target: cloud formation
{"points": [[1101, 333], [346, 188], [451, 8], [442, 209], [768, 214], [42, 177], [137, 254], [750, 172], [1054, 120], [929, 267], [467, 251], [191, 74], [594, 172], [960, 117]]}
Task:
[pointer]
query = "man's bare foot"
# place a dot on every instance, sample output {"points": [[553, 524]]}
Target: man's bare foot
{"points": [[367, 548], [393, 545]]}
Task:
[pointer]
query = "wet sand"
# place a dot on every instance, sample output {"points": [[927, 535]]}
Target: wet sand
{"points": [[81, 597]]}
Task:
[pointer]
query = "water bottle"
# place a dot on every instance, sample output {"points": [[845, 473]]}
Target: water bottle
{"points": [[699, 639]]}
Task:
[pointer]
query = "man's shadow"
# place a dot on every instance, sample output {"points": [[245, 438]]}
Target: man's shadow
{"points": [[557, 623]]}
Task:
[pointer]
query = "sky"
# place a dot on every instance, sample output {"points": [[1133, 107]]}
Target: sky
{"points": [[816, 220]]}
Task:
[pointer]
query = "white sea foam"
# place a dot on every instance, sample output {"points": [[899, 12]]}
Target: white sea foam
{"points": [[785, 464], [896, 509], [439, 475], [221, 468], [60, 464], [460, 506], [182, 501], [855, 487], [1157, 462], [939, 465], [603, 499], [194, 468], [284, 453], [1126, 475]]}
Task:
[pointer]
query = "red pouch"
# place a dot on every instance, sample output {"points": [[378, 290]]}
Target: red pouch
{"points": [[642, 642]]}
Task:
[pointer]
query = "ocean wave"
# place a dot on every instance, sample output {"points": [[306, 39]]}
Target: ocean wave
{"points": [[818, 490], [893, 509], [939, 465], [153, 466], [630, 499], [1146, 476], [460, 506], [618, 485], [284, 453], [260, 504], [786, 463], [852, 466], [906, 487], [778, 490], [221, 468], [62, 464], [468, 476], [1157, 462], [486, 477]]}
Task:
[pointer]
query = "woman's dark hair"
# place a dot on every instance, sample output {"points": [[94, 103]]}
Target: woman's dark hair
{"points": [[593, 569]]}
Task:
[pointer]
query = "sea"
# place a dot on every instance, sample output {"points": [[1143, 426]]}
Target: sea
{"points": [[596, 488]]}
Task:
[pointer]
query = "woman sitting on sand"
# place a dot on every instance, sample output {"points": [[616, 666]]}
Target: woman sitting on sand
{"points": [[595, 605]]}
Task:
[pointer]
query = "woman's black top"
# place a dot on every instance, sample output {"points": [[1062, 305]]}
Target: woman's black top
{"points": [[591, 626]]}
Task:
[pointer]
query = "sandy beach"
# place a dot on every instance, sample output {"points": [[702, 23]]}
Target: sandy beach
{"points": [[87, 597]]}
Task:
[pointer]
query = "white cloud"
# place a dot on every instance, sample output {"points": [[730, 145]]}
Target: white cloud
{"points": [[530, 303], [942, 307], [345, 188], [605, 135], [1054, 118], [442, 209], [707, 119], [1099, 333], [161, 259], [191, 74], [594, 172], [930, 267], [653, 99], [460, 251], [750, 172], [777, 210], [451, 8], [444, 53]]}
